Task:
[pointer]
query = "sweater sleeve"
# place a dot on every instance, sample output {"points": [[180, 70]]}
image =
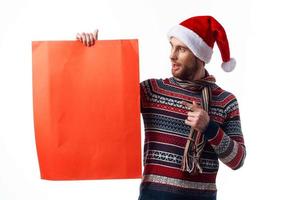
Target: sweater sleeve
{"points": [[144, 94], [227, 139]]}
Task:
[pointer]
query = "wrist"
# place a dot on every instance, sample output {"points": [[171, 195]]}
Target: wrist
{"points": [[211, 129], [204, 127]]}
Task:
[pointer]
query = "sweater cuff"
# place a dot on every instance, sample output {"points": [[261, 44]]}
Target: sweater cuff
{"points": [[211, 130]]}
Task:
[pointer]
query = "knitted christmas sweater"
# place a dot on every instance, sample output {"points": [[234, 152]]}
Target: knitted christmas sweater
{"points": [[166, 135]]}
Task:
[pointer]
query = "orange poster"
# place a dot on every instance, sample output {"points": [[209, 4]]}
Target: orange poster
{"points": [[87, 109]]}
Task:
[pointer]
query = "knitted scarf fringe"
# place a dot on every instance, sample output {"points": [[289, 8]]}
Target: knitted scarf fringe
{"points": [[195, 141]]}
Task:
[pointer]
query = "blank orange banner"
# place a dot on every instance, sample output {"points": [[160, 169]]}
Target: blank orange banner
{"points": [[87, 109]]}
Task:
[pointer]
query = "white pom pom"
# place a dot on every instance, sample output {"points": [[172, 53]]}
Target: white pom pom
{"points": [[229, 65]]}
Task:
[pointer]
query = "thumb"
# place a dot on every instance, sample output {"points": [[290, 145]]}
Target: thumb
{"points": [[195, 104], [96, 34], [196, 107]]}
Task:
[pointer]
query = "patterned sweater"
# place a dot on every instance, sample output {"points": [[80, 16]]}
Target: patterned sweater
{"points": [[166, 135]]}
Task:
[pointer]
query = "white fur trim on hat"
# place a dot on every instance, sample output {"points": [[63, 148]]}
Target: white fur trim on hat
{"points": [[229, 65], [193, 41]]}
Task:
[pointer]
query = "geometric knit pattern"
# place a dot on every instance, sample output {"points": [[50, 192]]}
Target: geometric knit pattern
{"points": [[166, 135]]}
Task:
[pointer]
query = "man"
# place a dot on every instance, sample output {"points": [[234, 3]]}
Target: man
{"points": [[190, 122]]}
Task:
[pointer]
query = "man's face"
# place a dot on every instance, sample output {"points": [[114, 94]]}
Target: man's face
{"points": [[184, 62]]}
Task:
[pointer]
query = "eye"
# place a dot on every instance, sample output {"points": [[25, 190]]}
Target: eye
{"points": [[182, 49]]}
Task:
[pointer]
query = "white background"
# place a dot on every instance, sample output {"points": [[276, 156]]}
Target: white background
{"points": [[263, 37]]}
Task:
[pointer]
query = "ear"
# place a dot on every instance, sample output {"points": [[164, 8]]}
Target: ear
{"points": [[200, 63]]}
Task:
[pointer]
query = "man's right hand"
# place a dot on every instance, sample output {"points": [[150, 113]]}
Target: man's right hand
{"points": [[88, 39]]}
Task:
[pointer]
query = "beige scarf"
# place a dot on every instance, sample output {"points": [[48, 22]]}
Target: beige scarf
{"points": [[195, 142]]}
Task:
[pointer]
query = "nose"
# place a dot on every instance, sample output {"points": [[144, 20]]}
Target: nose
{"points": [[173, 55]]}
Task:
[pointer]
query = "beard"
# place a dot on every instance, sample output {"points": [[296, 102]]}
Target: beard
{"points": [[185, 72]]}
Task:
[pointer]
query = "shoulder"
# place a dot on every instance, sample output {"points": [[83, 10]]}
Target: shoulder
{"points": [[155, 81], [223, 97], [147, 81]]}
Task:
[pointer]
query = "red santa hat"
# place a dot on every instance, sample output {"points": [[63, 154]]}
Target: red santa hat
{"points": [[199, 34]]}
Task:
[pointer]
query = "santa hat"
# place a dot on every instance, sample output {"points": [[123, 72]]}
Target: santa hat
{"points": [[199, 34]]}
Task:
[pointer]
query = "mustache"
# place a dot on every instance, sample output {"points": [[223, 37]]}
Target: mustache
{"points": [[176, 63]]}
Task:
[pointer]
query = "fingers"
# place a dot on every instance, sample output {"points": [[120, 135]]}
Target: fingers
{"points": [[91, 40], [191, 118], [186, 104], [194, 103], [88, 39], [194, 106], [82, 38], [197, 118], [189, 123], [95, 34], [196, 114], [78, 37]]}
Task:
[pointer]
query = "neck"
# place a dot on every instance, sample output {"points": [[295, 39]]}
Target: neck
{"points": [[200, 73]]}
